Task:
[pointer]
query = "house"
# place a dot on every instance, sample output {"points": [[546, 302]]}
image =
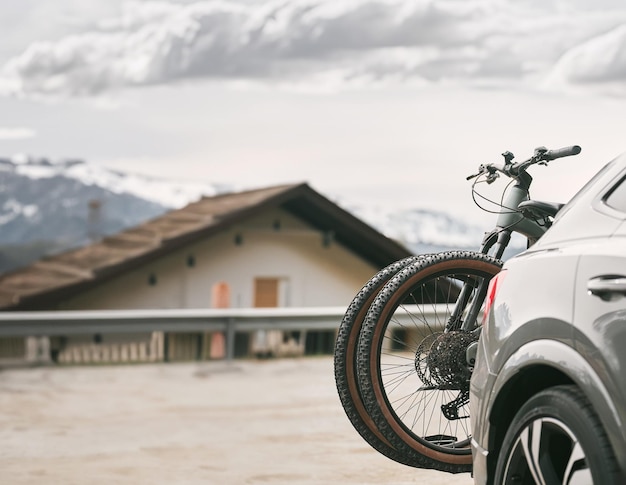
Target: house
{"points": [[285, 245]]}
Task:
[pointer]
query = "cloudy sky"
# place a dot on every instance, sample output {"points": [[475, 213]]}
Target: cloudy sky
{"points": [[387, 102]]}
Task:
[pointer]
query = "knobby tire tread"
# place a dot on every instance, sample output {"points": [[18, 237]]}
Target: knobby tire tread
{"points": [[410, 276], [345, 362]]}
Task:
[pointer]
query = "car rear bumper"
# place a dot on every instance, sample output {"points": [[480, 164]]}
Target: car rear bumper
{"points": [[479, 464]]}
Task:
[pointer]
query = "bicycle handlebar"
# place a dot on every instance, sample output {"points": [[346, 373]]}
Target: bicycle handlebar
{"points": [[561, 152], [517, 170]]}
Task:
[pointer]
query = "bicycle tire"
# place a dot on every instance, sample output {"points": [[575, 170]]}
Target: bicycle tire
{"points": [[414, 422], [344, 361]]}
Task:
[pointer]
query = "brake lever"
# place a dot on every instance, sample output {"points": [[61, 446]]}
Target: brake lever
{"points": [[482, 168], [491, 177], [491, 172], [539, 152]]}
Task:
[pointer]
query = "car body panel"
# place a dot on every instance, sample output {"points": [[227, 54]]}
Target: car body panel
{"points": [[585, 216], [600, 325], [540, 309], [544, 317], [537, 353]]}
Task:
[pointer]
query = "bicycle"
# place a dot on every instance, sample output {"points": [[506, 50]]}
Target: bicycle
{"points": [[405, 347]]}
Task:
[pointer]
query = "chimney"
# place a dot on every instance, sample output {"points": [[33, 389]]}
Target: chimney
{"points": [[94, 220]]}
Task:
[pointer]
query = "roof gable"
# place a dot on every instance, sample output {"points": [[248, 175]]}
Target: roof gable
{"points": [[39, 285]]}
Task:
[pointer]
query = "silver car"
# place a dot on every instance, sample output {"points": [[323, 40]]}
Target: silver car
{"points": [[548, 391]]}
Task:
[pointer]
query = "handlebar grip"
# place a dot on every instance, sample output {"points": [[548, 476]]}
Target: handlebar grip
{"points": [[561, 152]]}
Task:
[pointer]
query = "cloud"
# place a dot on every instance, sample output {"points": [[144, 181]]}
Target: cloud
{"points": [[16, 133], [600, 62], [349, 41]]}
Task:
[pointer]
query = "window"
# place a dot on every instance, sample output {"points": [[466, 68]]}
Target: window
{"points": [[616, 198]]}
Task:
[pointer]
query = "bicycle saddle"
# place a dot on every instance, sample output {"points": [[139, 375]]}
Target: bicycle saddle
{"points": [[539, 210]]}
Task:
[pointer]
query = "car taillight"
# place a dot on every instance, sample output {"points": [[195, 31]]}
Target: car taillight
{"points": [[491, 293]]}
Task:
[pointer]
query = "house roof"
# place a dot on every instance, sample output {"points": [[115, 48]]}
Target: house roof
{"points": [[52, 278]]}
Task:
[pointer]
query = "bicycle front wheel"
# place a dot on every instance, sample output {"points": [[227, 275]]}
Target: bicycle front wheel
{"points": [[411, 358]]}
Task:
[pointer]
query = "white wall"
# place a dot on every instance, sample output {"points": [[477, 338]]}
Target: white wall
{"points": [[313, 275]]}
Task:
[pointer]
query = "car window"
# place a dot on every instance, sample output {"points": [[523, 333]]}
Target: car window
{"points": [[616, 198], [588, 186]]}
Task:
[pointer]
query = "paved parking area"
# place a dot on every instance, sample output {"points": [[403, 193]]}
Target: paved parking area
{"points": [[267, 422]]}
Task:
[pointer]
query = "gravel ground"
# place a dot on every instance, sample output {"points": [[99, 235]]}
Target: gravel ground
{"points": [[247, 422]]}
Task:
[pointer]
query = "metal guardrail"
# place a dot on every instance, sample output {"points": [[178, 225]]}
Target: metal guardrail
{"points": [[28, 324], [229, 321]]}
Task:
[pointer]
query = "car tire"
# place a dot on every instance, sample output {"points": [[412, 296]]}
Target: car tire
{"points": [[556, 437]]}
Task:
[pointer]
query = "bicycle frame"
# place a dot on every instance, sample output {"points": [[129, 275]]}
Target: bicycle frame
{"points": [[509, 221], [512, 221]]}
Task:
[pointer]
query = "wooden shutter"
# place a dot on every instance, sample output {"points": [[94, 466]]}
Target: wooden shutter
{"points": [[220, 295], [266, 292]]}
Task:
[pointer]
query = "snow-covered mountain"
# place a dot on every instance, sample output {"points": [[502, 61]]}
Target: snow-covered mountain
{"points": [[167, 193], [423, 230], [47, 206]]}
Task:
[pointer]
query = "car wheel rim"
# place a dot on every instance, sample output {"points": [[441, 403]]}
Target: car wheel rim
{"points": [[545, 452]]}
